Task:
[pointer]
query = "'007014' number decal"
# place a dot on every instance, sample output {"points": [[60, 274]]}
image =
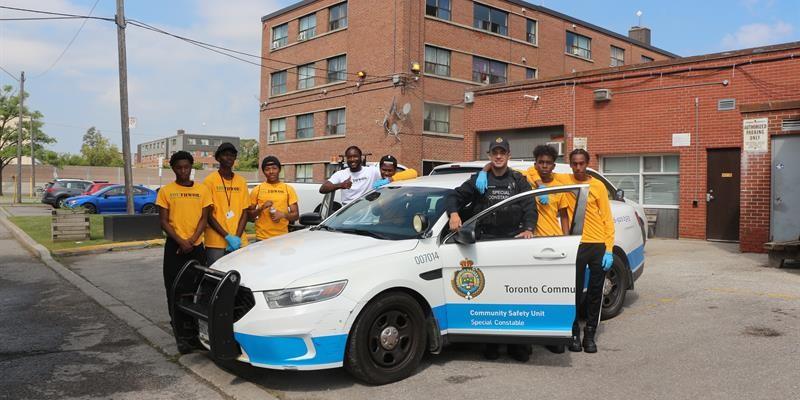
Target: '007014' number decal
{"points": [[426, 258]]}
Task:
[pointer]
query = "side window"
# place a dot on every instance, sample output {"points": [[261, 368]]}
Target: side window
{"points": [[137, 191], [506, 221], [115, 192]]}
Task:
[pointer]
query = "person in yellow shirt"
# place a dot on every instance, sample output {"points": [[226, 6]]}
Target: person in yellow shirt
{"points": [[183, 207], [273, 203], [595, 250], [227, 221], [553, 214]]}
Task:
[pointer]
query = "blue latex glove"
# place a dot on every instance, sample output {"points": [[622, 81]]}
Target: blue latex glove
{"points": [[608, 261], [482, 182], [544, 199], [379, 183], [234, 242]]}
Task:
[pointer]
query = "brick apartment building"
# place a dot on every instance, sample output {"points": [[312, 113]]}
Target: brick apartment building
{"points": [[710, 144], [201, 147], [316, 102]]}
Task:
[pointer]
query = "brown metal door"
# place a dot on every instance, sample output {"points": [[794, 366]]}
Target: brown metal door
{"points": [[722, 197]]}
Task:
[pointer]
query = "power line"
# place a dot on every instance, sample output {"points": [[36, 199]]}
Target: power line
{"points": [[9, 74], [55, 13], [39, 18], [78, 32]]}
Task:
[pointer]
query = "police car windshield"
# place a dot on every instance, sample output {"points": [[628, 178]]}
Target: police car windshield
{"points": [[388, 213]]}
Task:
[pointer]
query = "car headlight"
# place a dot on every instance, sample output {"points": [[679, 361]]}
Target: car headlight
{"points": [[303, 295]]}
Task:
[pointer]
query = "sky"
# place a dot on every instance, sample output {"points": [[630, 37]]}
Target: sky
{"points": [[173, 85]]}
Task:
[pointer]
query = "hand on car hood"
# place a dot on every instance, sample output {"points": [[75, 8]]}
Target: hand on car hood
{"points": [[279, 262]]}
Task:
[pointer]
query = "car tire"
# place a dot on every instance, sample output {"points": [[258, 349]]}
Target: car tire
{"points": [[614, 289], [387, 341], [149, 209], [90, 208], [60, 202]]}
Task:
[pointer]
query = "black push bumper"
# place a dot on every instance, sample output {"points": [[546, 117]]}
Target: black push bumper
{"points": [[205, 296]]}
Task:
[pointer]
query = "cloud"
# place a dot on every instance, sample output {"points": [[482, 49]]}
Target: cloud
{"points": [[754, 35], [172, 84]]}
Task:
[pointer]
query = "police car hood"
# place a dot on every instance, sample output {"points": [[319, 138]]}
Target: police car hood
{"points": [[278, 262]]}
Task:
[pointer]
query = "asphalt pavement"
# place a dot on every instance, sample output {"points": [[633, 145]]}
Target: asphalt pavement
{"points": [[704, 321], [57, 343]]}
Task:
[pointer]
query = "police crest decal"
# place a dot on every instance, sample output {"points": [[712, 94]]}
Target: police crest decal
{"points": [[468, 282]]}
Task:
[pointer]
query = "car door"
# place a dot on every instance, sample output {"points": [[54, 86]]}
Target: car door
{"points": [[496, 288], [112, 200]]}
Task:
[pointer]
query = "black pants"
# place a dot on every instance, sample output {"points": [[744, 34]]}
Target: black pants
{"points": [[590, 254], [173, 262]]}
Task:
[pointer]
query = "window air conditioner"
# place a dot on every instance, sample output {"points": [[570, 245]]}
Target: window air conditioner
{"points": [[559, 146], [602, 95], [273, 137], [302, 36], [275, 45]]}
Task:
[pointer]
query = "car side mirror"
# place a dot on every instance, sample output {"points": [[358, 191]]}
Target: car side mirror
{"points": [[619, 195], [466, 235], [310, 219], [420, 222]]}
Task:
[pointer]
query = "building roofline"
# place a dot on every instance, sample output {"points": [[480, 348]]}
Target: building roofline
{"points": [[520, 3], [645, 66]]}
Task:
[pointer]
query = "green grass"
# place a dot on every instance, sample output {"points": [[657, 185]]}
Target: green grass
{"points": [[38, 228]]}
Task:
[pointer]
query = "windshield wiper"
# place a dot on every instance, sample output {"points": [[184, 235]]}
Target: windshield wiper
{"points": [[324, 228], [364, 232]]}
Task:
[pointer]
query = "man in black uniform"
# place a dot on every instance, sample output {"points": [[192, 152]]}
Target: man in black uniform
{"points": [[515, 220]]}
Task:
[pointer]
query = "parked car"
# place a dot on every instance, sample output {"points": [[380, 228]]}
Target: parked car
{"points": [[383, 280], [58, 190], [97, 185], [111, 199]]}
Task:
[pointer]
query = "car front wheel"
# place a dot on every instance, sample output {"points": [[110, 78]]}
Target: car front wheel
{"points": [[61, 202], [387, 341], [90, 208], [149, 209], [614, 289]]}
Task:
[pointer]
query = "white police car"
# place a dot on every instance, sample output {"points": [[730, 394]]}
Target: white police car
{"points": [[383, 280]]}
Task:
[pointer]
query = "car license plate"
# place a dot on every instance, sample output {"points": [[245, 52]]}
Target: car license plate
{"points": [[202, 330]]}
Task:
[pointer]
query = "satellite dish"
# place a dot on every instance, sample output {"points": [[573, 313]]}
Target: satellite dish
{"points": [[406, 108], [395, 129]]}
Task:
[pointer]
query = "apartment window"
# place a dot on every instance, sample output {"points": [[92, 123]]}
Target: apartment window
{"points": [[277, 130], [304, 173], [530, 31], [337, 17], [437, 118], [337, 69], [336, 122], [579, 45], [278, 83], [530, 73], [330, 169], [308, 27], [646, 59], [617, 56], [490, 19], [173, 142], [305, 76], [488, 71], [654, 179], [305, 126], [191, 141], [437, 61], [280, 36], [438, 8]]}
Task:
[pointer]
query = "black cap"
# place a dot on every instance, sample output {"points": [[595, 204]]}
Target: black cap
{"points": [[225, 147], [499, 142], [270, 160], [389, 159]]}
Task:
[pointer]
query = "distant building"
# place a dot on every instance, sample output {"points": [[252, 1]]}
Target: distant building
{"points": [[201, 147]]}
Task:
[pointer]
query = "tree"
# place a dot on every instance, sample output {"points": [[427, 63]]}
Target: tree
{"points": [[32, 124], [248, 156], [98, 151]]}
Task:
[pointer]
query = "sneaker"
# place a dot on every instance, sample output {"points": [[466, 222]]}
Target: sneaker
{"points": [[519, 352]]}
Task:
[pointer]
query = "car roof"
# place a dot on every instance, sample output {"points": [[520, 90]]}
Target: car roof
{"points": [[446, 181], [514, 164]]}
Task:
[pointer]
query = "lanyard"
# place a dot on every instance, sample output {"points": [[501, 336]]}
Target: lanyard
{"points": [[227, 195]]}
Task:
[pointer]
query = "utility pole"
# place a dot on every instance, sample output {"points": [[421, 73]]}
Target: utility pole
{"points": [[33, 159], [123, 105], [18, 198]]}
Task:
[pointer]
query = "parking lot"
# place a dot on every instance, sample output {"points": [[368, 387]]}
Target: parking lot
{"points": [[704, 321]]}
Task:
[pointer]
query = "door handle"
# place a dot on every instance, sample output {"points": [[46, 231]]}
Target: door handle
{"points": [[550, 256]]}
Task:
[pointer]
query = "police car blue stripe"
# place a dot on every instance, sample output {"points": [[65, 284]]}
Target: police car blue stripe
{"points": [[280, 350], [505, 316], [636, 258]]}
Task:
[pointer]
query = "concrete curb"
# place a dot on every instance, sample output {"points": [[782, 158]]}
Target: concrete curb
{"points": [[164, 342], [104, 248]]}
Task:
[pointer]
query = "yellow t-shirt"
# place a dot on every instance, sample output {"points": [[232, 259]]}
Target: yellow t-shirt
{"points": [[598, 225], [549, 223], [228, 196], [185, 206], [282, 196]]}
